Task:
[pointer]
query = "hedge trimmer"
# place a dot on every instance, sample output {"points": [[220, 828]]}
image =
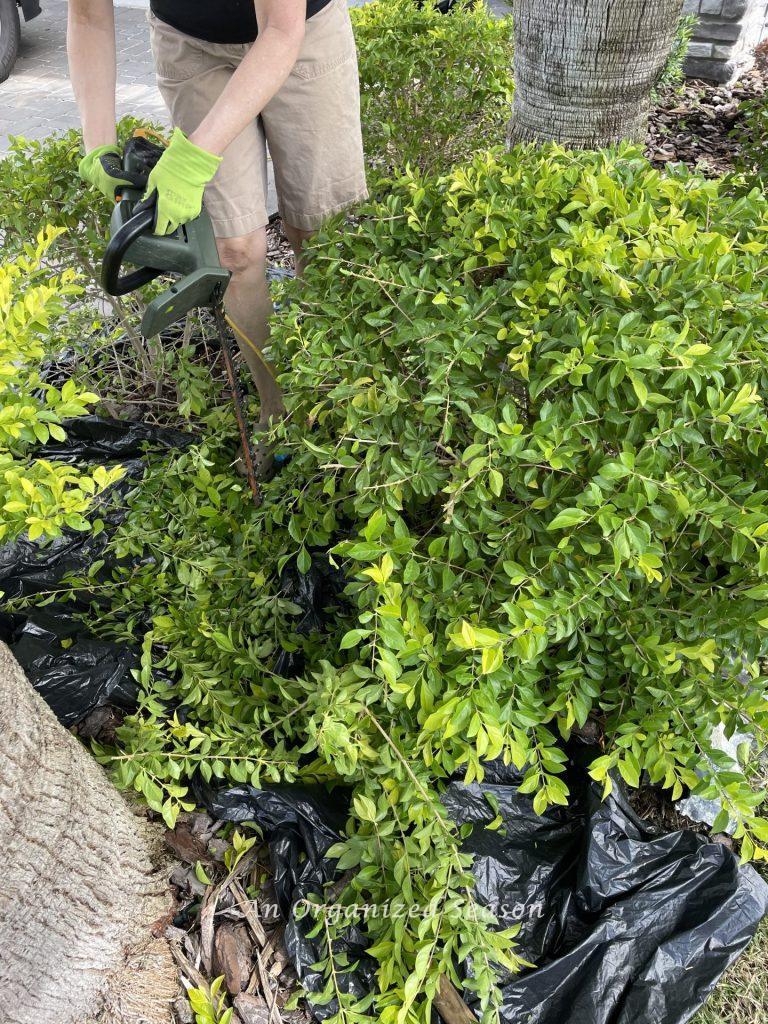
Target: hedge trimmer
{"points": [[190, 255]]}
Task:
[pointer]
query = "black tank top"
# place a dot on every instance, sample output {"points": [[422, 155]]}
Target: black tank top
{"points": [[217, 21]]}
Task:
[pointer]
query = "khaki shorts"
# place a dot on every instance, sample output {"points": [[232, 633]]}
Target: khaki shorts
{"points": [[312, 125]]}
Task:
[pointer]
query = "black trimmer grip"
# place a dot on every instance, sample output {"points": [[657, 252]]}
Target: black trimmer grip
{"points": [[111, 280]]}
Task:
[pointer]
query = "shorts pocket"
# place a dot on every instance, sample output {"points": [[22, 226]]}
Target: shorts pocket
{"points": [[329, 42], [177, 56]]}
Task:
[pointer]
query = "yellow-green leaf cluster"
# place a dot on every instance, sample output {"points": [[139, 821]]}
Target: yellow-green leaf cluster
{"points": [[38, 496]]}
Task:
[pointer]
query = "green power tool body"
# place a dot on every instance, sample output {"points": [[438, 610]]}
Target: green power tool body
{"points": [[189, 254]]}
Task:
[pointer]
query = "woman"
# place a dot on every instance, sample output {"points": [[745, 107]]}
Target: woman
{"points": [[236, 75]]}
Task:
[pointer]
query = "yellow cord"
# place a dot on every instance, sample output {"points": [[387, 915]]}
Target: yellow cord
{"points": [[250, 344], [149, 134]]}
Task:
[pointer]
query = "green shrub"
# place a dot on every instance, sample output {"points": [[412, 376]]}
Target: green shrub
{"points": [[538, 394], [752, 137], [673, 71], [435, 87], [40, 185], [527, 409], [38, 497]]}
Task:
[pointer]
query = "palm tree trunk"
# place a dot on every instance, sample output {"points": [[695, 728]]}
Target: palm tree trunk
{"points": [[76, 883], [584, 69]]}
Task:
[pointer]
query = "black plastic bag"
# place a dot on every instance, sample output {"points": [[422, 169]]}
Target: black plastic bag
{"points": [[446, 6], [72, 671], [97, 440], [30, 567], [320, 594], [626, 924]]}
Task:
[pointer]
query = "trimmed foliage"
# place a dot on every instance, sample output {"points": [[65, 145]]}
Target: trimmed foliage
{"points": [[527, 414]]}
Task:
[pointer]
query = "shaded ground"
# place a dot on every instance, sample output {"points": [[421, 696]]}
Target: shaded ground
{"points": [[225, 923]]}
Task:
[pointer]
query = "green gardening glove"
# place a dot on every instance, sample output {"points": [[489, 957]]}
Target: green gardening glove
{"points": [[103, 168], [179, 178]]}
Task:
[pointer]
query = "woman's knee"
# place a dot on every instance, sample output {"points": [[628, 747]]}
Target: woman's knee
{"points": [[244, 253]]}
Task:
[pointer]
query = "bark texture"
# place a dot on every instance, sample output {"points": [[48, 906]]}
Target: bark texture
{"points": [[76, 883], [584, 69]]}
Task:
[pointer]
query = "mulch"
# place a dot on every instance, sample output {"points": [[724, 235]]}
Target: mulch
{"points": [[698, 124], [279, 252]]}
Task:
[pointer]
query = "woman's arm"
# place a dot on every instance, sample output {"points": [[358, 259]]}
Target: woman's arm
{"points": [[261, 74], [92, 68]]}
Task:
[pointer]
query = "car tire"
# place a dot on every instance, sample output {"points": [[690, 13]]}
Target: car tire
{"points": [[10, 36]]}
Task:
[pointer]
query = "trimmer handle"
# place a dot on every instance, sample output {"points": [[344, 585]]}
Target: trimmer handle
{"points": [[112, 281]]}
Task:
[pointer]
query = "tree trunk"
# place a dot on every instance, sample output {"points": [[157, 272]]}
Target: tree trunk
{"points": [[584, 69], [76, 884]]}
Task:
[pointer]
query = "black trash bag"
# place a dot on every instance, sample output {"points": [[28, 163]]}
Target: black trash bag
{"points": [[301, 823], [446, 6], [71, 670], [29, 567], [97, 440], [319, 593], [626, 924]]}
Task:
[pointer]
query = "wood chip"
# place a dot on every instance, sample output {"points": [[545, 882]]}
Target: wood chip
{"points": [[451, 1006], [266, 988], [189, 972], [279, 964], [210, 901], [185, 880], [207, 919], [248, 910], [251, 1009], [186, 846], [232, 957]]}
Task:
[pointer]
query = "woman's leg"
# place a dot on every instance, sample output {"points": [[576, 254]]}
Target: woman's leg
{"points": [[297, 237], [249, 305], [191, 75]]}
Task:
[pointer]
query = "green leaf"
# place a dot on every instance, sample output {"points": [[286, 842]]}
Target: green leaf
{"points": [[567, 518], [352, 638]]}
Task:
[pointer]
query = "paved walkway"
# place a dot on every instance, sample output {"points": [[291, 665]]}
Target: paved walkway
{"points": [[37, 99]]}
